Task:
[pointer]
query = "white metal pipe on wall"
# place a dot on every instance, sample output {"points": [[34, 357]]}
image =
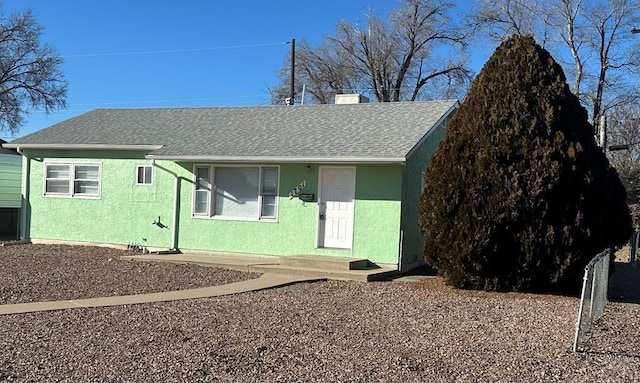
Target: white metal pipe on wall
{"points": [[176, 202], [24, 211]]}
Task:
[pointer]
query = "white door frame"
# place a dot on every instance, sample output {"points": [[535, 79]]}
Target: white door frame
{"points": [[320, 230]]}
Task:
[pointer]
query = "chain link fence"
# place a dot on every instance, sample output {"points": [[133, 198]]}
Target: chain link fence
{"points": [[635, 237], [593, 299]]}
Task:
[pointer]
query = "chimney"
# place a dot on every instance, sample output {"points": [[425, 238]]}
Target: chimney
{"points": [[351, 99]]}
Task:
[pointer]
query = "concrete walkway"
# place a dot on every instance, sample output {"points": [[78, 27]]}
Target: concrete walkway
{"points": [[276, 272], [265, 281], [314, 267]]}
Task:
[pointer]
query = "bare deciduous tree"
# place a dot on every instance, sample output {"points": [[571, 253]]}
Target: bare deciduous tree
{"points": [[590, 37], [30, 74], [624, 124], [395, 60], [501, 19], [612, 22]]}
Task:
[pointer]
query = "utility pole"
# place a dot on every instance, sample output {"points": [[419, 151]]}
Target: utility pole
{"points": [[292, 92]]}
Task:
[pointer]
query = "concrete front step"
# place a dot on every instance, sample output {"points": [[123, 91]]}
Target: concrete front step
{"points": [[365, 275], [324, 262]]}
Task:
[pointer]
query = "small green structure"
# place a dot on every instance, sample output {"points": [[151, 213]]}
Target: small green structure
{"points": [[329, 180], [10, 191]]}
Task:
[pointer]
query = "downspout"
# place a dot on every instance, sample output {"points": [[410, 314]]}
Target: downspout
{"points": [[176, 202], [26, 174], [402, 218], [399, 268]]}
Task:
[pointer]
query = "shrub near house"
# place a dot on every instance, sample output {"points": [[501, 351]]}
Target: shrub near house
{"points": [[518, 196]]}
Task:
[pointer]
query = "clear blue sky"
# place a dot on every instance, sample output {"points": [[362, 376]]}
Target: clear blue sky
{"points": [[189, 53]]}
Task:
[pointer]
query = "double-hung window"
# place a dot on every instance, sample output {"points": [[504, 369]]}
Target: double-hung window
{"points": [[236, 192], [144, 175], [202, 194], [72, 179], [269, 192]]}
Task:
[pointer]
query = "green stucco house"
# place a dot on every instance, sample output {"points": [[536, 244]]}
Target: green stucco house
{"points": [[10, 192], [330, 180]]}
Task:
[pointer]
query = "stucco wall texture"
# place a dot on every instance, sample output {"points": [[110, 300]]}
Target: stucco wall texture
{"points": [[125, 212], [413, 241]]}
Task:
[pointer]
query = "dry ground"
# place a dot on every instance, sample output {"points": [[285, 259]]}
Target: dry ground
{"points": [[313, 332]]}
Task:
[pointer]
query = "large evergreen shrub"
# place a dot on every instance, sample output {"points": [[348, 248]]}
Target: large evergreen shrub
{"points": [[518, 196]]}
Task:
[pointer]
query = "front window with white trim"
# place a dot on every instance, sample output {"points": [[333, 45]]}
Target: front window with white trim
{"points": [[236, 192], [72, 179]]}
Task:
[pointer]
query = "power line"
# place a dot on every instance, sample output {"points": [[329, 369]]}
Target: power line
{"points": [[170, 51]]}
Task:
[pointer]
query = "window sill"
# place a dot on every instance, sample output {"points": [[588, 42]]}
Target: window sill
{"points": [[68, 196], [236, 219]]}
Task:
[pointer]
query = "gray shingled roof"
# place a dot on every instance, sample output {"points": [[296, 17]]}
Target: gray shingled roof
{"points": [[375, 130]]}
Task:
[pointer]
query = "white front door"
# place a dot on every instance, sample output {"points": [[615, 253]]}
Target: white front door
{"points": [[335, 206]]}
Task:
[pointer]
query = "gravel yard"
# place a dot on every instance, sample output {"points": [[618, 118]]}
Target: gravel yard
{"points": [[34, 273], [311, 332]]}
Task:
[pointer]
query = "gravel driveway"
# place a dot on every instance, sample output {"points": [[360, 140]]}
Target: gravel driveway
{"points": [[312, 332]]}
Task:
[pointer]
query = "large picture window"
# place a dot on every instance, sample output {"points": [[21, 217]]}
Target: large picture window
{"points": [[72, 179], [236, 192]]}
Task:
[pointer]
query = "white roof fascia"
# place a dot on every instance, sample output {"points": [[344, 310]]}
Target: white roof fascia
{"points": [[83, 146], [268, 159]]}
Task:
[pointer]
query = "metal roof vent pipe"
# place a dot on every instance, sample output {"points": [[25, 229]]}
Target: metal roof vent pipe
{"points": [[351, 99]]}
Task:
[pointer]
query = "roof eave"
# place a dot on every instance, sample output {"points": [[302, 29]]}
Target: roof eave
{"points": [[82, 146], [274, 159], [440, 121]]}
